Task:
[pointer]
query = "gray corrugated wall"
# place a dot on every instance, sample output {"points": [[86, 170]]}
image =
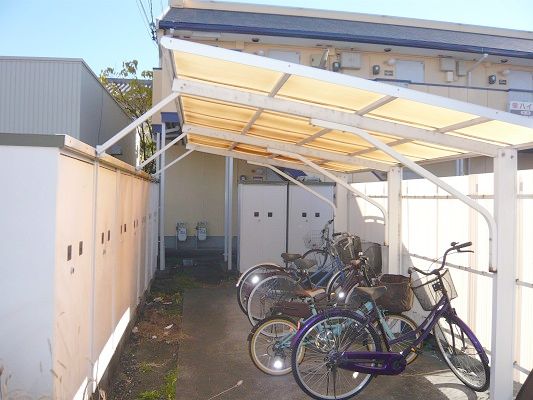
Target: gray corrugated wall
{"points": [[40, 96], [101, 117], [58, 96]]}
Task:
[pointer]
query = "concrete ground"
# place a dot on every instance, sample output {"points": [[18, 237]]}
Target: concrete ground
{"points": [[213, 357]]}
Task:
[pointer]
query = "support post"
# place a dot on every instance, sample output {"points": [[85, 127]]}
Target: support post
{"points": [[229, 211], [504, 285], [394, 181], [162, 202], [226, 211]]}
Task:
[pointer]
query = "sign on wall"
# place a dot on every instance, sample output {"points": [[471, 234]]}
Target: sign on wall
{"points": [[524, 108]]}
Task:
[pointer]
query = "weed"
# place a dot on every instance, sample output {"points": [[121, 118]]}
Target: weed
{"points": [[146, 367], [149, 395], [169, 390]]}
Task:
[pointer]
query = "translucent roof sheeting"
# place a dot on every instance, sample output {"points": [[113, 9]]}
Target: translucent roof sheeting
{"points": [[247, 104]]}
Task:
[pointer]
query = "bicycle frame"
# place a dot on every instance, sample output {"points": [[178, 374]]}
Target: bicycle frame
{"points": [[389, 363]]}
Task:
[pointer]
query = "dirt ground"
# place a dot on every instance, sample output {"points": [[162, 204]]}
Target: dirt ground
{"points": [[148, 365]]}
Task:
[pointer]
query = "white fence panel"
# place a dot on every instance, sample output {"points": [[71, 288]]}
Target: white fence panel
{"points": [[431, 219]]}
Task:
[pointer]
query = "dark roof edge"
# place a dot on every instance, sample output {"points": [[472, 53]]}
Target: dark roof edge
{"points": [[165, 24]]}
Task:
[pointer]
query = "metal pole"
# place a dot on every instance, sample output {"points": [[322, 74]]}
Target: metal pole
{"points": [[131, 127], [165, 148], [173, 162], [162, 202], [504, 284]]}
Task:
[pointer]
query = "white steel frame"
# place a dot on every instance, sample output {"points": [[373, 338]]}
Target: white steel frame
{"points": [[502, 226]]}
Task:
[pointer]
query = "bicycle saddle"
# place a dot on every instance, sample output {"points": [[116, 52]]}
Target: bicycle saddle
{"points": [[288, 257], [302, 263], [373, 292]]}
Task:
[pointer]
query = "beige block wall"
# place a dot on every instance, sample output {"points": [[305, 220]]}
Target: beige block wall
{"points": [[194, 191]]}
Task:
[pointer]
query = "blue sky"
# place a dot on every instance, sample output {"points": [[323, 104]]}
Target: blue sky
{"points": [[107, 32]]}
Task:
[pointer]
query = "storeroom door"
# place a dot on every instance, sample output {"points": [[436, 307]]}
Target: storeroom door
{"points": [[262, 223], [307, 215]]}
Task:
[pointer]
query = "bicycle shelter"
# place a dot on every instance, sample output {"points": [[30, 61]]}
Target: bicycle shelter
{"points": [[287, 115]]}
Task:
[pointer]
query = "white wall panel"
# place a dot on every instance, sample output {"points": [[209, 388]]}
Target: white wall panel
{"points": [[73, 275], [105, 247], [27, 267]]}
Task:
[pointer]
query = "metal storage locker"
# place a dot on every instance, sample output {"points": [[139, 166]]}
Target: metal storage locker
{"points": [[262, 222], [307, 214]]}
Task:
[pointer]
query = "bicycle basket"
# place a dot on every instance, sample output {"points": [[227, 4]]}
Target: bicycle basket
{"points": [[399, 296], [314, 240], [428, 290], [347, 247]]}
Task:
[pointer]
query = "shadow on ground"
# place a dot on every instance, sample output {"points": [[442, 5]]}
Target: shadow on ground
{"points": [[214, 357]]}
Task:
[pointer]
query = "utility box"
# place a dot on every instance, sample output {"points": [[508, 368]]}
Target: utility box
{"points": [[181, 231], [201, 230], [275, 217]]}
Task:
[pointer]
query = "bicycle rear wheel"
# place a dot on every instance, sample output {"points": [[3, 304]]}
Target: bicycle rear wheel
{"points": [[462, 352], [340, 284], [320, 256], [268, 293], [250, 278], [317, 373]]}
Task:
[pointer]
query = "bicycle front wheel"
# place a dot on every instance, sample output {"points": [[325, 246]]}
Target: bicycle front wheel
{"points": [[401, 326], [462, 352], [270, 345], [321, 343]]}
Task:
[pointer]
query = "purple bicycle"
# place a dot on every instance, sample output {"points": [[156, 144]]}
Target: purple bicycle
{"points": [[337, 352]]}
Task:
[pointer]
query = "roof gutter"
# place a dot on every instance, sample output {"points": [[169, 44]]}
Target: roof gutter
{"points": [[344, 37]]}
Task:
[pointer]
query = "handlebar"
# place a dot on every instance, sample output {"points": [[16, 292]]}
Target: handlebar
{"points": [[454, 246], [336, 234]]}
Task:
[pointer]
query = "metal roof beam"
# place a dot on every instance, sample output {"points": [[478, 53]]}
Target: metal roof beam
{"points": [[246, 157], [341, 182], [425, 174], [376, 104], [279, 84], [270, 143], [313, 136], [187, 87]]}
